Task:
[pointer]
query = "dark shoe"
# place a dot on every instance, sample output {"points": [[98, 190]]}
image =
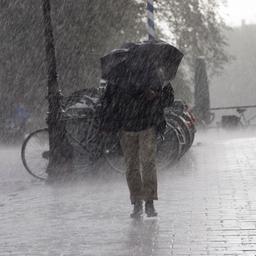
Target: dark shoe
{"points": [[137, 210], [150, 209]]}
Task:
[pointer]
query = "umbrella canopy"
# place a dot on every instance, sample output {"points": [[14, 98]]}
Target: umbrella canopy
{"points": [[141, 58], [112, 62], [155, 54]]}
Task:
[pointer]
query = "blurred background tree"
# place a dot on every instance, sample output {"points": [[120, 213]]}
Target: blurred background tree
{"points": [[197, 29], [85, 30]]}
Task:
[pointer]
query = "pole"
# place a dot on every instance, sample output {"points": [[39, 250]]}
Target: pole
{"points": [[151, 20], [60, 150]]}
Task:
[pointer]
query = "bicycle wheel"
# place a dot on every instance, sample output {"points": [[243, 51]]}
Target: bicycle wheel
{"points": [[169, 147], [167, 152], [179, 121], [190, 121], [113, 154], [94, 138], [35, 153]]}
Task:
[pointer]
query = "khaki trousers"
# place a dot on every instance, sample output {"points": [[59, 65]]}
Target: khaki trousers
{"points": [[139, 149]]}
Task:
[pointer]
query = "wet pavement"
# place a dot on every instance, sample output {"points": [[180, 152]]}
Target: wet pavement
{"points": [[207, 206]]}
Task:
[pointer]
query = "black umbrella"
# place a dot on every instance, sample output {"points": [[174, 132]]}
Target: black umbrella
{"points": [[113, 62], [141, 58], [157, 55]]}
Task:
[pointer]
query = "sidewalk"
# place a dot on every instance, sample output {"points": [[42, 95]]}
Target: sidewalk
{"points": [[207, 206]]}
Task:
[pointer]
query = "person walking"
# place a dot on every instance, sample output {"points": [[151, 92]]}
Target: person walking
{"points": [[137, 113]]}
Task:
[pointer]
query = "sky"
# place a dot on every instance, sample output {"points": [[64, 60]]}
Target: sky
{"points": [[238, 10]]}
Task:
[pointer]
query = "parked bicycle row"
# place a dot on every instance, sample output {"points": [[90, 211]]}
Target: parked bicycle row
{"points": [[82, 129]]}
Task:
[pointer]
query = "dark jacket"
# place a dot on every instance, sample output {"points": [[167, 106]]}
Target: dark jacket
{"points": [[133, 106]]}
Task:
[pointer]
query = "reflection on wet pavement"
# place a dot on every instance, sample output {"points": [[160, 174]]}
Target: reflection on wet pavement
{"points": [[206, 207]]}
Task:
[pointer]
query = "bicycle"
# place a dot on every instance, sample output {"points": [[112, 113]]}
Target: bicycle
{"points": [[82, 128], [243, 120], [238, 120]]}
